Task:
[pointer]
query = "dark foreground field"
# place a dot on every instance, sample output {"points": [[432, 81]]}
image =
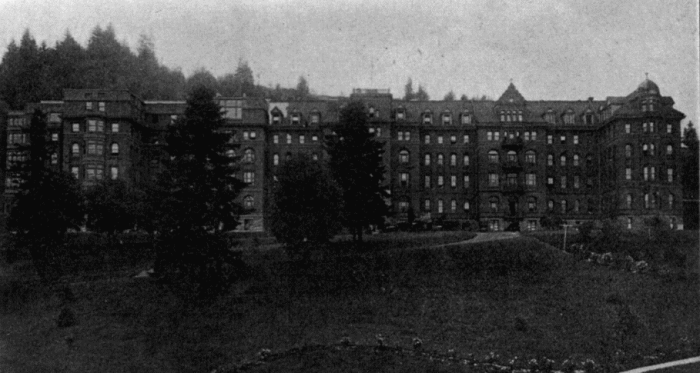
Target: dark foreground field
{"points": [[362, 312]]}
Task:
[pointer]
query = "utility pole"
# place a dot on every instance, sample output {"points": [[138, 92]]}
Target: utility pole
{"points": [[565, 226]]}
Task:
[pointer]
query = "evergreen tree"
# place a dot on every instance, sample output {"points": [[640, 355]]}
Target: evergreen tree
{"points": [[302, 88], [408, 91], [690, 176], [422, 95], [111, 207], [197, 197], [49, 202], [356, 165], [201, 78], [450, 96], [305, 205]]}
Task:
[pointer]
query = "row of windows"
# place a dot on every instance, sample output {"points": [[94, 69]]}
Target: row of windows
{"points": [[439, 159], [101, 106], [302, 139], [649, 174], [17, 138], [427, 206], [440, 140], [95, 125], [440, 180], [562, 139], [651, 201], [94, 148], [565, 208], [295, 118], [288, 156], [95, 172]]}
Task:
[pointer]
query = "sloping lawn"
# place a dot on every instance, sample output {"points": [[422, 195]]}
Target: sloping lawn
{"points": [[510, 298]]}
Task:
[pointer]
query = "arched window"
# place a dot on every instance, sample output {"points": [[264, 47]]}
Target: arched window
{"points": [[576, 160], [115, 148], [446, 119], [453, 159], [550, 205], [427, 118], [465, 160], [427, 159], [532, 204], [628, 151], [493, 203], [275, 159], [493, 156], [466, 206], [248, 202], [440, 159], [562, 160], [75, 149], [531, 157], [511, 156], [249, 155], [550, 117], [403, 156], [669, 149], [646, 200]]}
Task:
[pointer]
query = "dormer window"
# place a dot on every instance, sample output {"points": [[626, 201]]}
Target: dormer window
{"points": [[372, 112], [549, 117], [569, 117], [446, 119], [427, 118], [648, 104], [588, 117], [296, 118], [520, 115], [315, 118], [276, 118], [400, 114], [466, 118]]}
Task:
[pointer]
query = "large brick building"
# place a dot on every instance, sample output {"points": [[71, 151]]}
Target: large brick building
{"points": [[497, 162]]}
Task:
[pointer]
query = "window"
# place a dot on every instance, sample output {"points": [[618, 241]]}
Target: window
{"points": [[248, 202], [496, 136], [465, 139], [54, 136], [249, 177], [115, 148], [440, 159], [403, 178], [466, 206], [652, 150], [628, 151], [628, 173], [466, 181], [96, 148], [669, 149], [453, 139], [645, 127], [530, 157], [550, 205], [75, 171], [588, 117], [453, 159], [372, 112], [403, 206], [512, 179], [246, 135], [315, 118], [275, 159], [114, 172], [276, 118], [426, 205], [302, 139], [669, 128], [453, 181], [493, 203], [512, 156], [670, 201], [275, 139], [575, 139], [550, 181], [296, 118], [249, 155], [95, 125], [646, 201], [403, 156], [233, 109], [628, 128], [75, 127], [549, 117], [440, 181], [465, 160], [399, 136], [531, 204], [562, 160], [400, 114], [503, 116], [653, 173], [407, 136], [94, 172], [563, 182], [549, 139], [439, 139], [493, 156], [466, 118], [563, 206], [314, 138], [493, 180], [628, 201], [427, 181], [533, 136], [646, 173], [550, 159], [569, 117], [115, 127], [88, 105], [252, 135], [75, 149], [453, 205], [577, 182], [426, 159], [427, 118], [439, 206], [54, 158], [427, 139], [446, 119], [531, 179], [669, 175], [289, 139], [562, 139], [489, 136], [576, 160], [577, 206], [526, 136], [101, 106]]}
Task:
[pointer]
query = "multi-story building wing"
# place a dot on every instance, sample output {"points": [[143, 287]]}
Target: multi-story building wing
{"points": [[503, 162]]}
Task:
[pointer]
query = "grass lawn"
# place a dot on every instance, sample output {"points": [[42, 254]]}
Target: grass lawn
{"points": [[512, 298]]}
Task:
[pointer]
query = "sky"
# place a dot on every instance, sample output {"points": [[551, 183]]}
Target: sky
{"points": [[551, 50]]}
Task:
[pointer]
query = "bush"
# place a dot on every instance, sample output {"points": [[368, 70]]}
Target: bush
{"points": [[585, 230]]}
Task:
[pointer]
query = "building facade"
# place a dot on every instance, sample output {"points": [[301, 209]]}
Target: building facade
{"points": [[508, 163]]}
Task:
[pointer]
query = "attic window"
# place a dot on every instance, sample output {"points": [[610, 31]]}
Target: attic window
{"points": [[446, 118], [503, 116], [372, 112], [569, 117], [549, 116], [315, 117], [276, 118], [466, 118], [520, 115], [233, 109], [588, 117], [296, 118], [400, 114], [427, 118]]}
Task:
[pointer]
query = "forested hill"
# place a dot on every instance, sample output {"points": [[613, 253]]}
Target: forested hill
{"points": [[30, 72]]}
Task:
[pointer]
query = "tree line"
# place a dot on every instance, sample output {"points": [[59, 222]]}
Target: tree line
{"points": [[30, 72]]}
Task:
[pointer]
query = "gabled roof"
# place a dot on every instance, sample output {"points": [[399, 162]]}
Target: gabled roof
{"points": [[511, 96]]}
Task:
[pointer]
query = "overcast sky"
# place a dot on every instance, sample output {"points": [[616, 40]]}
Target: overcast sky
{"points": [[564, 49]]}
